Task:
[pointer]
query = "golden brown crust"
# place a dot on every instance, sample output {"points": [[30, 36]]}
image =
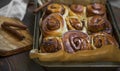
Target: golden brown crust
{"points": [[51, 45], [48, 57], [53, 25], [78, 11], [98, 24], [57, 8], [74, 23], [104, 53], [101, 39], [96, 9], [77, 8], [51, 49], [75, 40], [101, 54]]}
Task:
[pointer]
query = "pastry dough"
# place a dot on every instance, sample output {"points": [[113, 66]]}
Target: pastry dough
{"points": [[78, 11], [57, 8], [54, 25], [98, 24], [51, 45], [74, 23], [102, 39], [75, 40], [96, 9]]}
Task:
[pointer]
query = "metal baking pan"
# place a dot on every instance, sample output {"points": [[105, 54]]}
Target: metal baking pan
{"points": [[116, 32]]}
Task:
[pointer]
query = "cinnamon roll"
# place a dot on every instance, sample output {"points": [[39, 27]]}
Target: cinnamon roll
{"points": [[101, 39], [51, 49], [75, 40], [53, 25], [98, 24], [78, 10], [51, 45], [57, 8], [74, 23], [96, 9]]}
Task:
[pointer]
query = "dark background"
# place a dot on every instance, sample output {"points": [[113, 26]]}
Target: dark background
{"points": [[22, 62]]}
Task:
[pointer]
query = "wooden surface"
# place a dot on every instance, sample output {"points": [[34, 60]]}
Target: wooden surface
{"points": [[9, 44], [22, 62]]}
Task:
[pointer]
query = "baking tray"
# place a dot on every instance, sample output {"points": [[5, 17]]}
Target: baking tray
{"points": [[116, 32]]}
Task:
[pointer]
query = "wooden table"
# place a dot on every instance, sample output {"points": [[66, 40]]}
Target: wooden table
{"points": [[22, 62]]}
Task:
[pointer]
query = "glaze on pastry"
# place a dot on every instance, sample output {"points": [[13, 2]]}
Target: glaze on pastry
{"points": [[101, 39], [57, 8], [75, 40], [98, 24], [53, 25], [78, 10], [51, 45], [74, 23], [96, 9]]}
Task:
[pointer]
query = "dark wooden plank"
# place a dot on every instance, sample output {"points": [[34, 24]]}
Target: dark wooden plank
{"points": [[19, 62]]}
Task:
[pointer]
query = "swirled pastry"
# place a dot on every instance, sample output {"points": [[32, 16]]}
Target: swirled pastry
{"points": [[101, 39], [98, 24], [74, 23], [57, 8], [96, 9], [53, 25], [78, 10], [51, 49], [75, 40], [51, 45]]}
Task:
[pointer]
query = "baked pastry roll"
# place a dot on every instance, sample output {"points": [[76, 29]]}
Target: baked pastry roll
{"points": [[75, 40], [74, 23], [101, 39], [78, 10], [51, 49], [96, 9], [98, 24], [51, 45], [57, 8], [53, 25]]}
